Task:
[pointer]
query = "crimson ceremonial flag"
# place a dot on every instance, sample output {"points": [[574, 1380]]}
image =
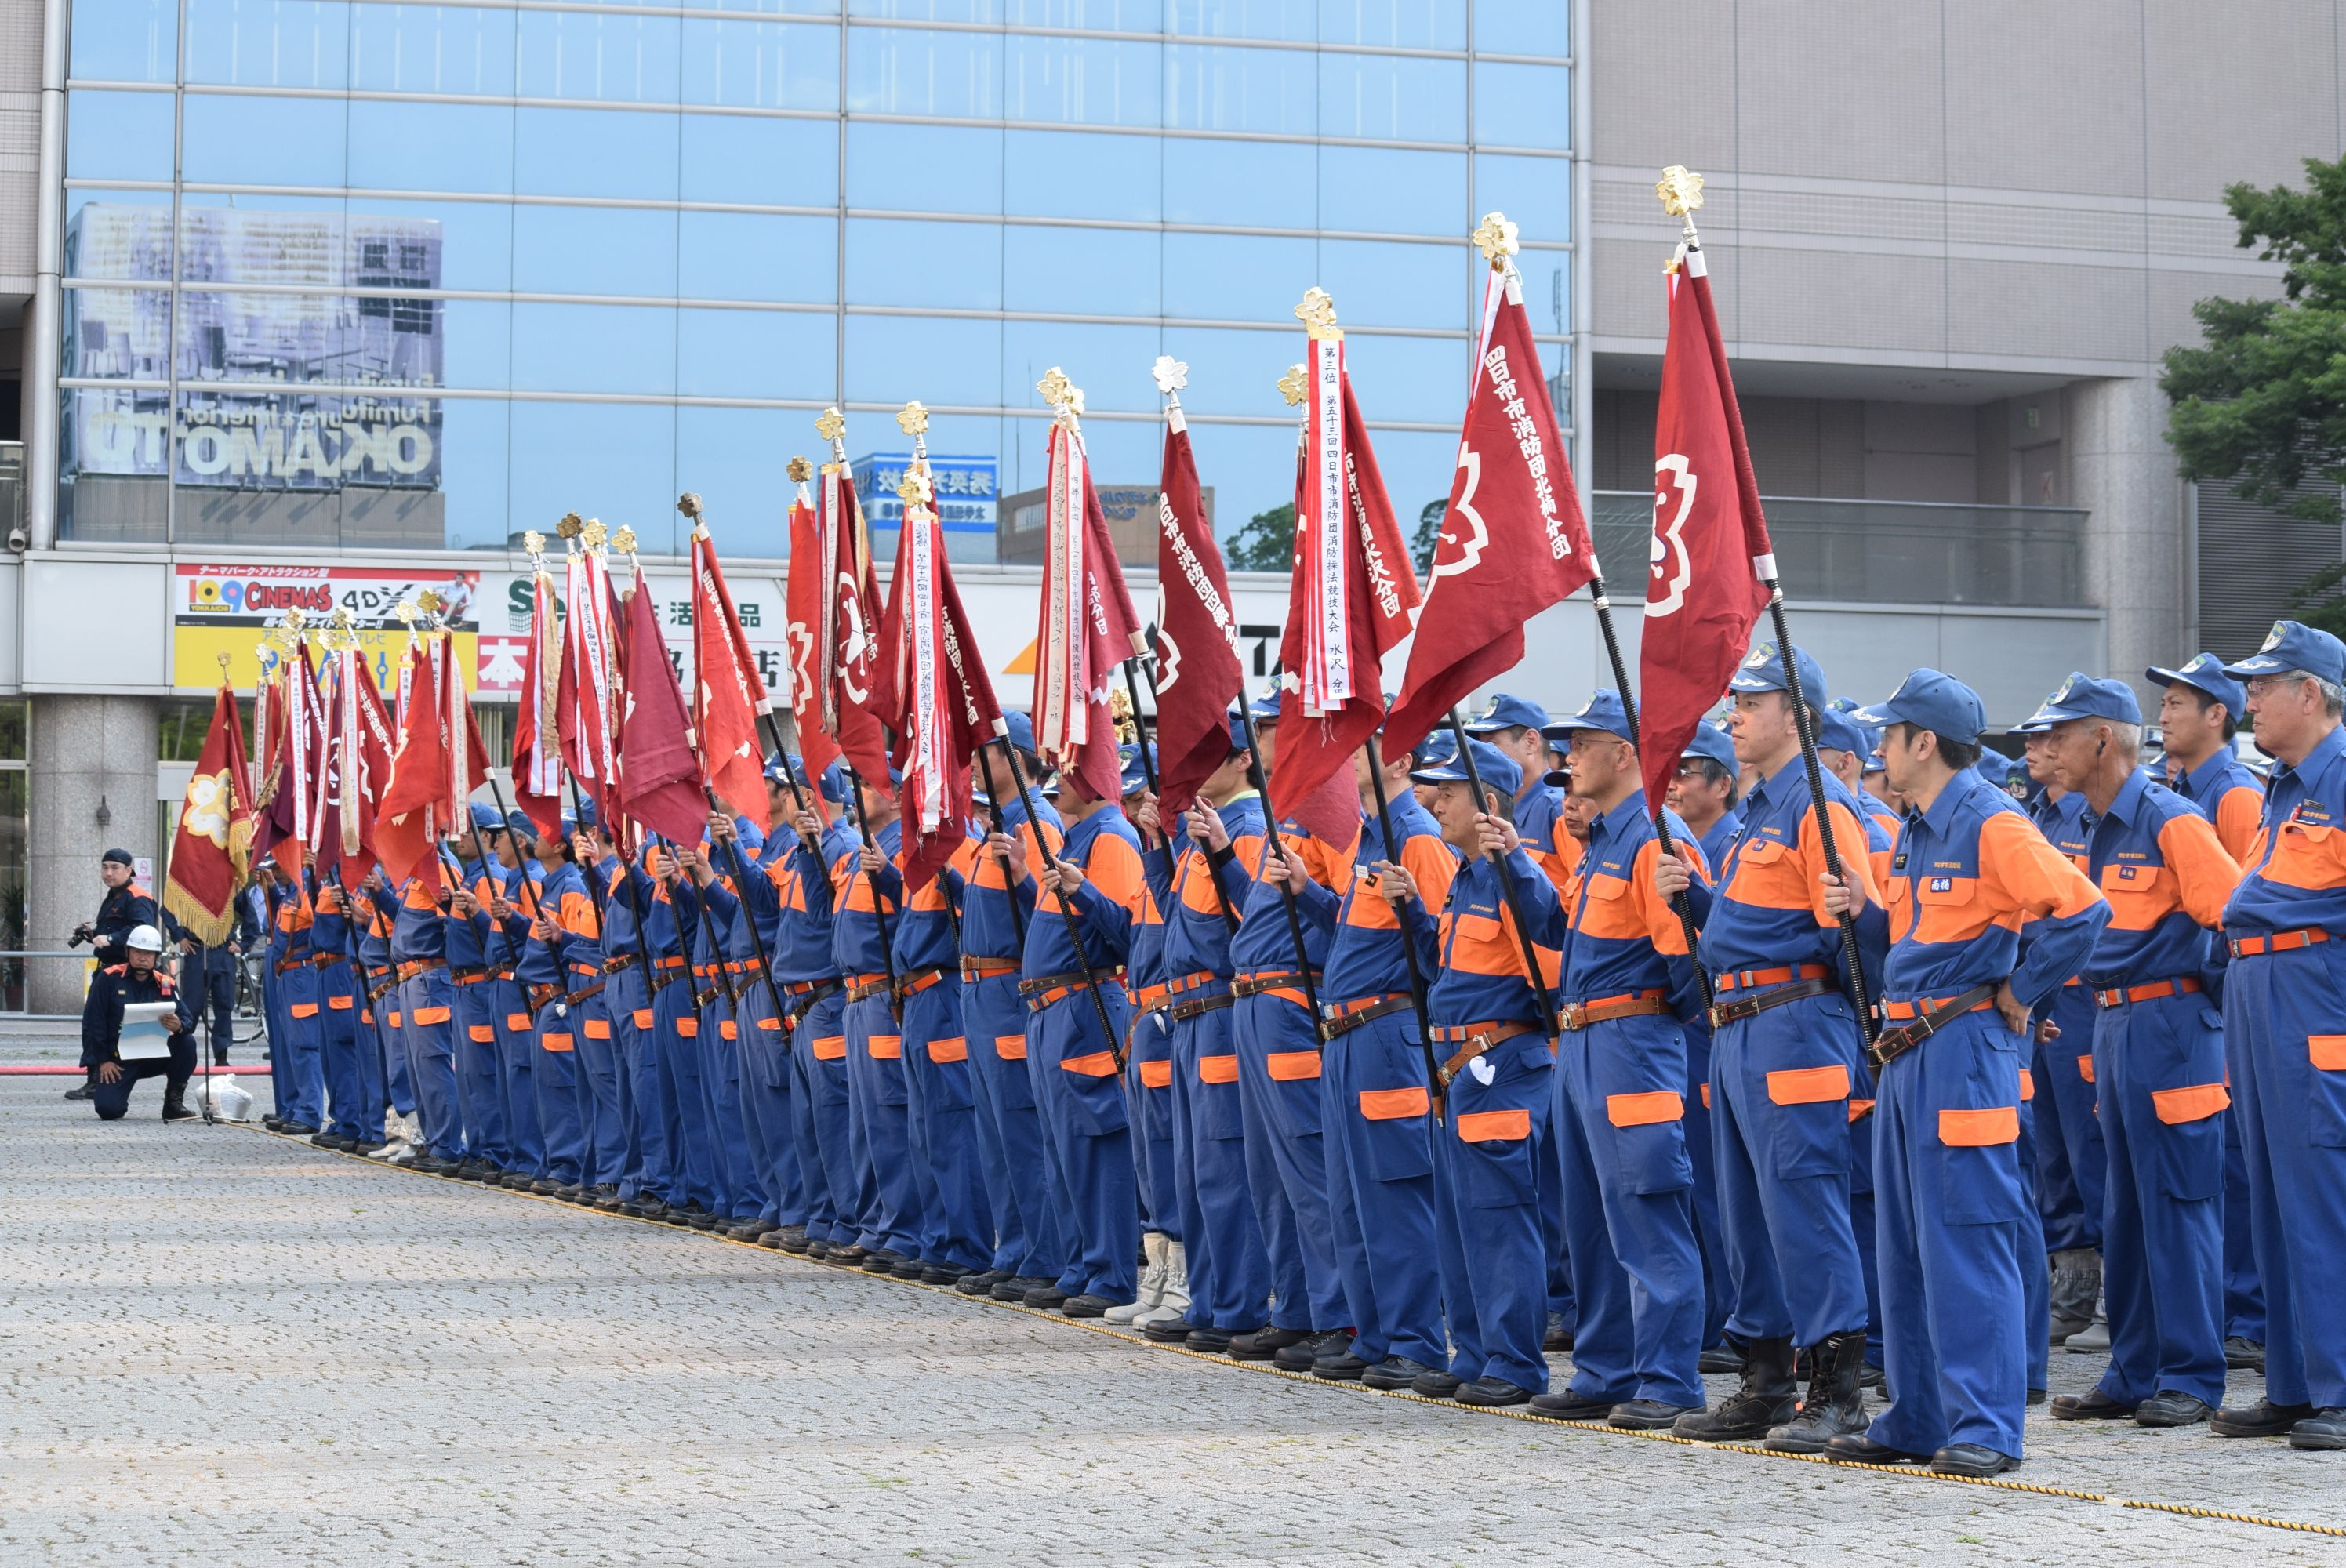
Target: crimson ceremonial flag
{"points": [[1710, 541], [272, 802], [728, 693], [468, 760], [1353, 597], [804, 609], [1088, 626], [405, 829], [1198, 669], [537, 722], [304, 768], [363, 743], [661, 775], [850, 679], [586, 696], [948, 709], [1513, 540], [214, 836]]}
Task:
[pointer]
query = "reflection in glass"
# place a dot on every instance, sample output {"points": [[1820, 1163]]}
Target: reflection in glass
{"points": [[758, 354], [1098, 15], [1257, 185], [1237, 372], [477, 446], [1237, 277], [1522, 105], [117, 136], [117, 246], [562, 461], [595, 250], [233, 139], [1091, 81], [758, 256], [1110, 363], [1401, 23], [1211, 88], [593, 152], [769, 162], [125, 40], [942, 360], [1072, 174], [1523, 27], [1082, 271], [733, 458], [924, 169], [1536, 193], [593, 348], [1292, 20], [619, 58], [1390, 283], [269, 43], [1392, 97], [911, 71], [1388, 190], [118, 334], [431, 147], [476, 238], [761, 65], [432, 49], [955, 266]]}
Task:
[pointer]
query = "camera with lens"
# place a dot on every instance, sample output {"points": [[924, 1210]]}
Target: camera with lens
{"points": [[82, 933]]}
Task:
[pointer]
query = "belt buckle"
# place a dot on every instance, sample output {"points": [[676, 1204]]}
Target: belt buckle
{"points": [[1572, 1017]]}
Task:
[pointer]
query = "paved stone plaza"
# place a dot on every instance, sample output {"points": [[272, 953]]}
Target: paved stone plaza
{"points": [[221, 1347]]}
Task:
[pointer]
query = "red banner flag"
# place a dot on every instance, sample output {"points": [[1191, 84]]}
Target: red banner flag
{"points": [[803, 599], [468, 760], [1710, 541], [1198, 669], [850, 677], [662, 776], [1353, 597], [404, 831], [211, 846], [273, 802], [1514, 539], [727, 692], [537, 721], [1088, 626], [586, 694], [364, 740]]}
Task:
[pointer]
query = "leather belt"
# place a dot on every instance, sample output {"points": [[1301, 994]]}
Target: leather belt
{"points": [[1744, 979], [465, 973], [409, 969], [625, 961], [1043, 989], [1339, 1018], [328, 960], [1925, 1019], [919, 980], [1255, 982], [1573, 1016], [1195, 1007], [576, 997], [2152, 991], [1742, 1007], [808, 987], [2276, 941], [539, 995], [863, 987], [288, 965], [1478, 1039], [806, 996], [976, 969], [1147, 996]]}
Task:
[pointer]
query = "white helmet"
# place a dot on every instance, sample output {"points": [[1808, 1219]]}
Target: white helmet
{"points": [[143, 939]]}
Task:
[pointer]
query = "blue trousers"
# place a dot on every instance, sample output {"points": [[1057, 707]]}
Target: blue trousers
{"points": [[368, 1112], [1286, 1159], [389, 1016], [112, 1101], [507, 1008], [561, 1104], [1636, 1271], [427, 1003], [2070, 1156], [210, 972], [1496, 1108], [1377, 1128], [717, 1042], [347, 1102], [604, 1084], [2036, 1284], [1234, 1293], [2244, 1293], [1862, 1222], [1148, 1091], [480, 1072], [1780, 1088], [299, 1068], [819, 1109], [879, 1126], [956, 1227], [1081, 1104], [765, 1106], [646, 1168], [1028, 1238], [1709, 1230], [693, 1174], [1948, 1213]]}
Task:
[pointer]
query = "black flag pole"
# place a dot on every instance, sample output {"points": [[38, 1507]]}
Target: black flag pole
{"points": [[1507, 887], [1270, 827], [1075, 931], [1418, 989]]}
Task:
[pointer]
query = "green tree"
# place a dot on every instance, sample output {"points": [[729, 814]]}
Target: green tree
{"points": [[1267, 543], [1428, 536]]}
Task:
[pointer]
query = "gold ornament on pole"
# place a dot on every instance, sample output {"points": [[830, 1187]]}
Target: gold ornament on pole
{"points": [[1295, 385], [912, 419], [1318, 314], [801, 470], [1171, 374], [1495, 236]]}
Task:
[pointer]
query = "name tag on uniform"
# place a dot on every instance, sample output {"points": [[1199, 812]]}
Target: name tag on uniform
{"points": [[1942, 884], [2126, 873]]}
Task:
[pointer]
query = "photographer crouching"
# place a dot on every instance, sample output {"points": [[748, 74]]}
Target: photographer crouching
{"points": [[138, 978], [125, 908]]}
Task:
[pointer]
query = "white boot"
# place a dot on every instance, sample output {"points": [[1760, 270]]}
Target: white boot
{"points": [[1173, 1301], [1152, 1283]]}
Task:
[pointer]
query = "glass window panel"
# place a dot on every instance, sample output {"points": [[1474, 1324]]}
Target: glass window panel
{"points": [[1391, 283], [955, 266], [924, 169], [595, 250], [1401, 24], [1249, 468], [1417, 466], [757, 353], [761, 65], [1234, 372], [1393, 190], [475, 237], [1536, 193], [1110, 363], [117, 136], [593, 348], [1289, 19], [1083, 272], [1409, 378], [479, 343], [730, 457], [562, 461], [758, 256], [1522, 105], [117, 333], [232, 139], [913, 71], [431, 147], [1264, 185], [314, 338], [1392, 96], [928, 10], [125, 40], [1522, 26], [610, 58], [775, 7], [1556, 359], [1208, 87], [594, 152], [1072, 174], [112, 446], [119, 234], [1098, 15], [1237, 277], [432, 49], [475, 441], [1088, 81], [941, 360], [770, 162], [1547, 289], [269, 43], [277, 469]]}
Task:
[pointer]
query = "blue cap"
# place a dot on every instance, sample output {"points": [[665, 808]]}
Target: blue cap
{"points": [[781, 769], [1709, 741], [1439, 746], [1763, 670], [834, 782], [2293, 644], [1932, 700], [1997, 769], [1603, 711], [487, 820], [1265, 706], [1837, 730], [1128, 759], [2084, 697], [2205, 672], [752, 837], [1022, 730], [1507, 712], [1498, 769], [520, 826]]}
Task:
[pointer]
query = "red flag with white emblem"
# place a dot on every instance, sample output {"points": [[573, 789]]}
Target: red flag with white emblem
{"points": [[728, 693], [420, 776], [804, 612], [1198, 669], [214, 836], [850, 677], [1088, 625], [537, 722]]}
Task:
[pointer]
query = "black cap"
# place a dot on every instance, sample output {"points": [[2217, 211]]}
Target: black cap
{"points": [[119, 857]]}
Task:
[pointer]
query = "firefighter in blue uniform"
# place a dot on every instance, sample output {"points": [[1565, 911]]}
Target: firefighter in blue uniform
{"points": [[716, 1044], [603, 1102], [497, 999], [297, 1075], [868, 888], [475, 946], [813, 1000], [1706, 782], [333, 939], [741, 894], [381, 1061], [627, 998], [210, 972], [696, 1175], [419, 1010], [551, 896], [1162, 1293]]}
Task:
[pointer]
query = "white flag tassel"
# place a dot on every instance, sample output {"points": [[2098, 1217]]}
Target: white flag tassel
{"points": [[1062, 683], [353, 750], [1327, 678], [546, 749]]}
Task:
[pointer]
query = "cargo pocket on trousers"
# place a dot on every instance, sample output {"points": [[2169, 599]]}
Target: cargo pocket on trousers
{"points": [[1979, 1165], [1810, 1108], [2325, 1123], [1495, 1169], [1394, 1131]]}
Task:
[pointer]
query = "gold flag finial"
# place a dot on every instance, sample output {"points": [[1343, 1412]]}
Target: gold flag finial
{"points": [[688, 503], [1318, 314], [406, 610], [533, 542], [1066, 398], [1294, 385], [830, 425], [429, 601], [912, 419], [570, 525], [1495, 236], [915, 490], [593, 535], [223, 664], [1171, 374], [623, 541], [800, 471], [1680, 189]]}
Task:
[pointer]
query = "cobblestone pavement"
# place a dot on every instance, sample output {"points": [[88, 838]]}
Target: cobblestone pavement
{"points": [[221, 1347]]}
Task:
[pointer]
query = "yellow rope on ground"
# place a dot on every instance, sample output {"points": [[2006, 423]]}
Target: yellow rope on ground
{"points": [[1909, 1471]]}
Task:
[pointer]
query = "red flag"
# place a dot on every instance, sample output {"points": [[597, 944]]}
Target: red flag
{"points": [[728, 694], [420, 777], [537, 722], [1354, 595], [1088, 625], [468, 760], [949, 708], [803, 610], [1513, 540], [363, 742], [273, 800], [1710, 542], [214, 836], [1197, 669], [662, 777], [850, 677], [585, 695]]}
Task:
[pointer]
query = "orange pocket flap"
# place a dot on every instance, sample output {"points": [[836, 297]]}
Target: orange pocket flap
{"points": [[2086, 1068], [1157, 1074], [482, 1033], [953, 1050], [1494, 1127], [831, 1048], [597, 1028], [432, 1015], [1286, 1066], [1706, 1096], [1645, 1110], [555, 1042], [342, 1004], [1099, 1064], [1808, 1085], [1010, 1047], [643, 1017], [1980, 1129], [1217, 1069], [728, 1028], [689, 1026], [2196, 1103], [2329, 1052], [1859, 1107], [365, 1015], [769, 1023], [886, 1047], [513, 1019], [393, 1020], [2027, 1086], [1395, 1105], [309, 1010]]}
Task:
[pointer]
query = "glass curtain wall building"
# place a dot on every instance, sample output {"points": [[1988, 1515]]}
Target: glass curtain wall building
{"points": [[365, 274]]}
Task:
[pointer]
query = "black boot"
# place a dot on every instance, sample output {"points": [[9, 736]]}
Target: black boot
{"points": [[86, 1089], [1764, 1400], [175, 1103], [1835, 1404]]}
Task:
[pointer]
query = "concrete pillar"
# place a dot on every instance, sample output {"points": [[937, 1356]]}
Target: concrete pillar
{"points": [[83, 750], [2123, 472]]}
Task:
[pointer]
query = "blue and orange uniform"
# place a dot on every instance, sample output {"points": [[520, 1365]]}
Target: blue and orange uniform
{"points": [[1148, 1068], [548, 892], [497, 1001], [957, 1231], [382, 1060], [870, 905], [472, 1030], [298, 1069], [332, 938], [814, 1007], [749, 912], [623, 891], [714, 1047], [605, 1104], [424, 1004], [2071, 1157]]}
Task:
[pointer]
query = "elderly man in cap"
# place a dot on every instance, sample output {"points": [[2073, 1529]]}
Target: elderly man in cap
{"points": [[1984, 917], [1703, 790], [2285, 1037], [2159, 1063]]}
